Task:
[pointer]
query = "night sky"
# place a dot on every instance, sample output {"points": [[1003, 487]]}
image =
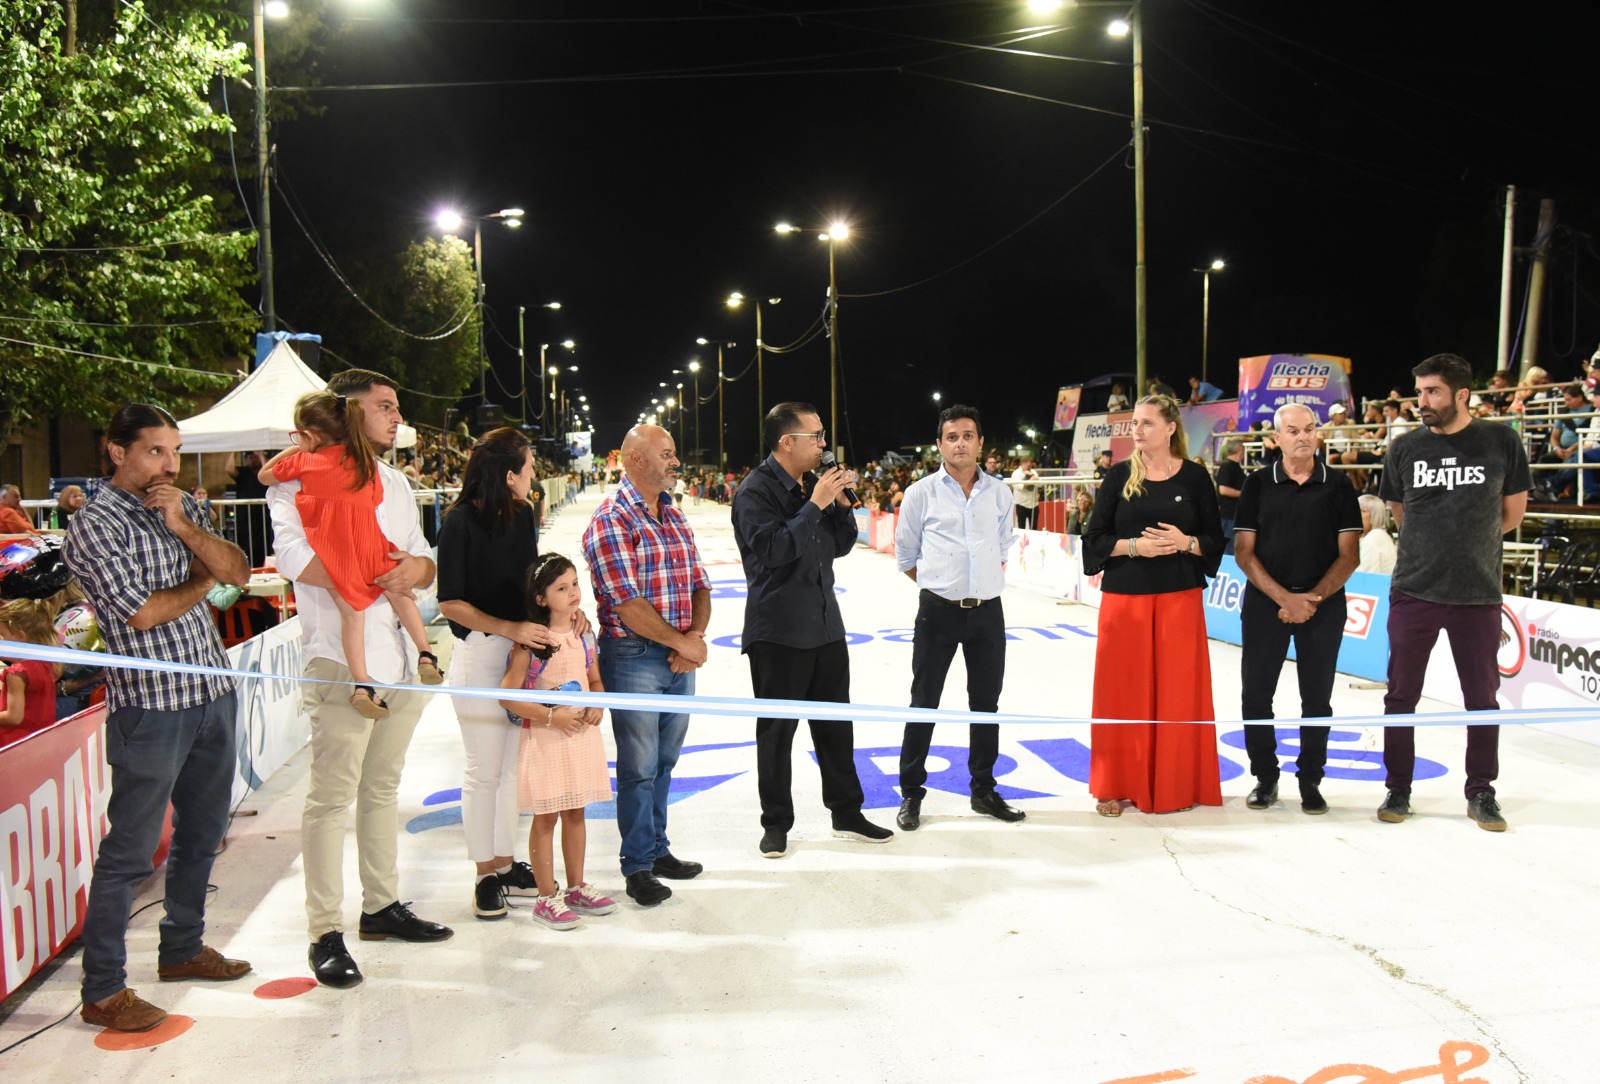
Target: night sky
{"points": [[1348, 161]]}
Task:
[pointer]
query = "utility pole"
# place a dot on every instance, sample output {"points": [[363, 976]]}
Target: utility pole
{"points": [[1541, 257], [1507, 250], [1141, 340], [269, 314]]}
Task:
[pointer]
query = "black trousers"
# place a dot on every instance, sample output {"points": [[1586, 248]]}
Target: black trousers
{"points": [[1026, 517], [1266, 645], [779, 672], [980, 633]]}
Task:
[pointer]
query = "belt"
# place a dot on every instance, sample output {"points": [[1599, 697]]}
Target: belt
{"points": [[963, 603]]}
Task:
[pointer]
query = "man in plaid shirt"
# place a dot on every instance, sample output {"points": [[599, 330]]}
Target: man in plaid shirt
{"points": [[655, 602], [145, 555]]}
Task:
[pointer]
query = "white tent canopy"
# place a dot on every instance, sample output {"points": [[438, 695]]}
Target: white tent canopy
{"points": [[259, 413]]}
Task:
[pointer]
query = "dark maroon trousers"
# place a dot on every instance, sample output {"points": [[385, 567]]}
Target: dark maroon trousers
{"points": [[1474, 632]]}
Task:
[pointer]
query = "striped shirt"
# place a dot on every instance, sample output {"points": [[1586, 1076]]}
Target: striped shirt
{"points": [[957, 543], [632, 554], [122, 553]]}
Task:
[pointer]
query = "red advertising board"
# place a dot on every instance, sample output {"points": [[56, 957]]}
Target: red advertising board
{"points": [[53, 791]]}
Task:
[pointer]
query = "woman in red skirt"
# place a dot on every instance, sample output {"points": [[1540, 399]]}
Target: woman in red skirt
{"points": [[1156, 535]]}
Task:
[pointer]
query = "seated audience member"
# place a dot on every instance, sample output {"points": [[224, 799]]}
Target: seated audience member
{"points": [[1377, 545]]}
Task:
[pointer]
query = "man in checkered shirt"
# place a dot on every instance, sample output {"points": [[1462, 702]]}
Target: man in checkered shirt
{"points": [[144, 553], [655, 601]]}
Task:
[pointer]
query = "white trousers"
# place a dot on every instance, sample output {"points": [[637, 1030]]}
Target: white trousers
{"points": [[489, 789]]}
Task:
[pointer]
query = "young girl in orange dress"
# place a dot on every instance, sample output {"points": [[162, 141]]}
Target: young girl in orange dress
{"points": [[27, 688], [338, 504], [561, 766]]}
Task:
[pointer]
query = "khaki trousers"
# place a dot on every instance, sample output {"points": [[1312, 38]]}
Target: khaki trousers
{"points": [[357, 761]]}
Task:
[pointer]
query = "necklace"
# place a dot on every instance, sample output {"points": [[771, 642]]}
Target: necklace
{"points": [[1168, 470]]}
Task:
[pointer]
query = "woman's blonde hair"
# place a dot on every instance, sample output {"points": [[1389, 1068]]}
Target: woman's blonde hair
{"points": [[33, 620], [1179, 445]]}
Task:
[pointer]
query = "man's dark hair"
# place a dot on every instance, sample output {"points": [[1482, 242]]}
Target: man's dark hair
{"points": [[1574, 390], [1393, 404], [781, 421], [958, 412], [131, 420], [359, 382], [1455, 371]]}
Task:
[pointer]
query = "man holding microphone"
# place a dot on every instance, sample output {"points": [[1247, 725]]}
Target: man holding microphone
{"points": [[790, 527]]}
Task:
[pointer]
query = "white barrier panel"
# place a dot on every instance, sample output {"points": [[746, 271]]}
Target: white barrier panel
{"points": [[1549, 658], [272, 724]]}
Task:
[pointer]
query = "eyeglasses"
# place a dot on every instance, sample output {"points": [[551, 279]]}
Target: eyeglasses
{"points": [[820, 436]]}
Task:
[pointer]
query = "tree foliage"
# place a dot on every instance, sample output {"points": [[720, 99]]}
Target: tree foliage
{"points": [[116, 224]]}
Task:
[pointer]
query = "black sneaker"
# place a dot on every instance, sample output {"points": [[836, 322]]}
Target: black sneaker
{"points": [[488, 899], [1482, 808], [518, 880], [858, 828], [1396, 807], [774, 843]]}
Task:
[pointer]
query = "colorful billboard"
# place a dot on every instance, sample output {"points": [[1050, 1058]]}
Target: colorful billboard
{"points": [[1067, 406], [1274, 380], [1204, 427]]}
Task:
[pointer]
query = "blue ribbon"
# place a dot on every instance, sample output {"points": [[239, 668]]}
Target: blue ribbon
{"points": [[752, 707]]}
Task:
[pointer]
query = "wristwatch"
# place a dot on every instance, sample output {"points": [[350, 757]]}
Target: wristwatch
{"points": [[1194, 544]]}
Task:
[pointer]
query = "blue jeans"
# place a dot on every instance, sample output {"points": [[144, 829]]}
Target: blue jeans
{"points": [[186, 757], [648, 743]]}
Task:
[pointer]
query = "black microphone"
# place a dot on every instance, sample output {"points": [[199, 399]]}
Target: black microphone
{"points": [[828, 463]]}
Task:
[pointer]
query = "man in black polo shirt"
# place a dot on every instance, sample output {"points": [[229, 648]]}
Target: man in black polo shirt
{"points": [[1297, 538], [789, 533]]}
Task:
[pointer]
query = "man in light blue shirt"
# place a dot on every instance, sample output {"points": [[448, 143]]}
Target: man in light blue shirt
{"points": [[952, 540]]}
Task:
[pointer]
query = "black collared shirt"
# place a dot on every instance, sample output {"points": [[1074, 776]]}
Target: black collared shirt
{"points": [[788, 547], [1297, 525]]}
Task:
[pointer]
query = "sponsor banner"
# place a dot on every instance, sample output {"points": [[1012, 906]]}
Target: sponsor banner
{"points": [[1096, 432], [54, 786], [1365, 650], [1067, 406], [1549, 658], [271, 723], [1274, 380]]}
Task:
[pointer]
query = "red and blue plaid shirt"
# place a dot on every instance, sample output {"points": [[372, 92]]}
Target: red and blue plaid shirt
{"points": [[632, 554]]}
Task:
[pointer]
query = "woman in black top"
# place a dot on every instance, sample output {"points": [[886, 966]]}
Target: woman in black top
{"points": [[486, 544], [1155, 536]]}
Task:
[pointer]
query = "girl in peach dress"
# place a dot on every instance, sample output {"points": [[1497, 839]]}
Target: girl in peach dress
{"points": [[561, 765]]}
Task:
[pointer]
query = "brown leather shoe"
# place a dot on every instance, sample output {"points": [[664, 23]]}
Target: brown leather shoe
{"points": [[123, 1011], [208, 963]]}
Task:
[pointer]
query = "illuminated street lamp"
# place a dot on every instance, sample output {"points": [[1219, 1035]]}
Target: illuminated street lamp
{"points": [[694, 367], [449, 220], [722, 455], [1205, 314], [735, 300], [836, 232], [543, 370]]}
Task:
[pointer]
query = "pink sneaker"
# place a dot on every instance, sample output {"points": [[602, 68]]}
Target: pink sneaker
{"points": [[552, 911], [584, 899]]}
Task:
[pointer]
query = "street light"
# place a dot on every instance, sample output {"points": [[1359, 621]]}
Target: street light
{"points": [[1205, 314], [735, 300], [722, 455], [1133, 26], [259, 12], [543, 347], [449, 220], [555, 402], [694, 367], [836, 232]]}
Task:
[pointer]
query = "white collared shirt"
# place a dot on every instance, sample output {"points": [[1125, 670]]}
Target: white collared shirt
{"points": [[390, 654], [957, 543]]}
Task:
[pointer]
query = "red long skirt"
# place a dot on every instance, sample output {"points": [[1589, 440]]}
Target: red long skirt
{"points": [[1152, 662]]}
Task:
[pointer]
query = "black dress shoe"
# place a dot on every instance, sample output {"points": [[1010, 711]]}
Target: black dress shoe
{"points": [[1311, 800], [910, 816], [676, 869], [396, 920], [1263, 795], [992, 805], [331, 963], [644, 889]]}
